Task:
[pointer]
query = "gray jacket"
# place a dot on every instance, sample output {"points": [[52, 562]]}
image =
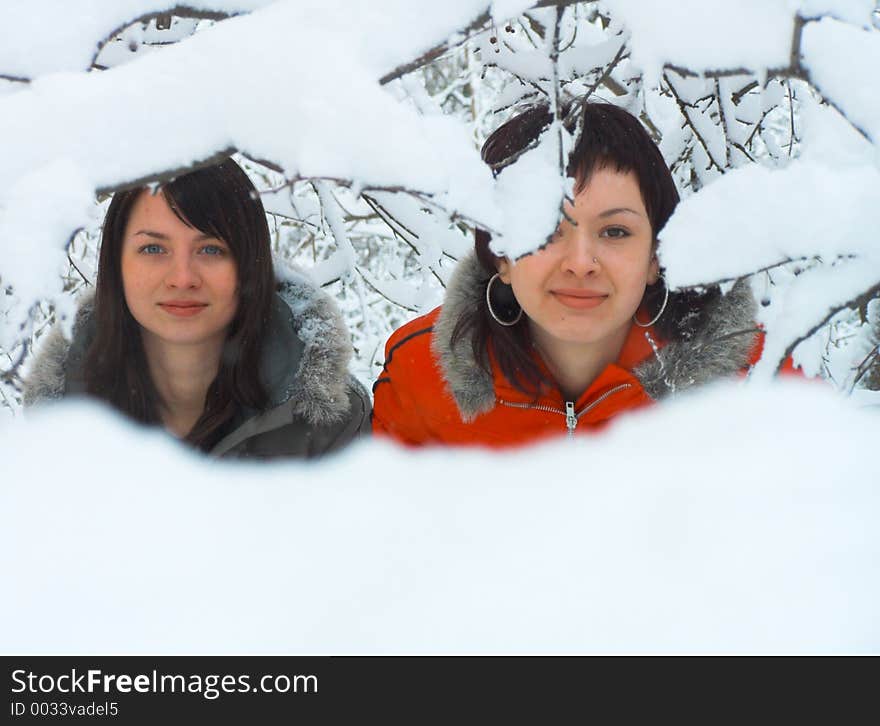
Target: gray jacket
{"points": [[315, 406]]}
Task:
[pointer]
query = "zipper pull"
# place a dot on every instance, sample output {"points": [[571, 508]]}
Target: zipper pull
{"points": [[571, 421]]}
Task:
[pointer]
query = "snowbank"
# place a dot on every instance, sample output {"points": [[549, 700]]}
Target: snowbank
{"points": [[687, 528]]}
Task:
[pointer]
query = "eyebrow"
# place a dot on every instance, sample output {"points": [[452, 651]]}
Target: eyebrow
{"points": [[618, 210], [158, 235]]}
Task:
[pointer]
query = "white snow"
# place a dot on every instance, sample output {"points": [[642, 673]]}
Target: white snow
{"points": [[505, 9], [842, 61], [709, 535], [530, 194], [707, 34], [857, 12], [26, 227], [803, 210], [58, 35]]}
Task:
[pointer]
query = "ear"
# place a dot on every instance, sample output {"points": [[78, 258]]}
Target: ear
{"points": [[653, 270], [503, 265]]}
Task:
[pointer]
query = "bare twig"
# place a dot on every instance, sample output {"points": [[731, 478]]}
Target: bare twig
{"points": [[402, 231], [606, 74], [723, 118], [738, 95], [10, 375], [685, 111], [382, 294], [870, 360], [73, 265], [556, 107], [574, 34], [758, 127]]}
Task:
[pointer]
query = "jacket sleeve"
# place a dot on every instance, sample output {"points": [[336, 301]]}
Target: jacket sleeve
{"points": [[356, 424], [396, 410]]}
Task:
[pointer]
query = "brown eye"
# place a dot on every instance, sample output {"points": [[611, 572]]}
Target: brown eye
{"points": [[615, 233]]}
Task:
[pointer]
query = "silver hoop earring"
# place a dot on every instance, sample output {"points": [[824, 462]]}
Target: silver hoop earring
{"points": [[657, 316], [505, 323]]}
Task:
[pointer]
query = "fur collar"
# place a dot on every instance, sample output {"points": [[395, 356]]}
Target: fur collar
{"points": [[304, 363], [714, 352]]}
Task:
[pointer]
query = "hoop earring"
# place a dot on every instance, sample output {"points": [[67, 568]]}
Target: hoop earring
{"points": [[505, 323], [657, 316]]}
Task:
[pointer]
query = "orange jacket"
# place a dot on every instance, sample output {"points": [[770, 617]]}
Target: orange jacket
{"points": [[431, 393]]}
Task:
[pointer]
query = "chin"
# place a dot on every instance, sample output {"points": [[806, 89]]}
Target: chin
{"points": [[184, 337], [585, 333]]}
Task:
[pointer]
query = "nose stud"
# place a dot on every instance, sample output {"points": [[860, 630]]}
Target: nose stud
{"points": [[595, 260]]}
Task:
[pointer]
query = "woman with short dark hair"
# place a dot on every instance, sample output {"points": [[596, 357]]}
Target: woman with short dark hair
{"points": [[188, 328], [583, 329]]}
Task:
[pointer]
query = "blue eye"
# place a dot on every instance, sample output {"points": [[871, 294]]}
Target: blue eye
{"points": [[213, 250], [151, 249]]}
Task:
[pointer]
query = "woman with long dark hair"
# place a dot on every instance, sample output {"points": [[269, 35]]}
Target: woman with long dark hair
{"points": [[188, 328], [576, 333]]}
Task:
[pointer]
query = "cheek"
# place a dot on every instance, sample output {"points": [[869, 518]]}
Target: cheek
{"points": [[527, 276], [133, 279], [227, 284]]}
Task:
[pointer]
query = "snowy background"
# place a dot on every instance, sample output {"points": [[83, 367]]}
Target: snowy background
{"points": [[743, 520]]}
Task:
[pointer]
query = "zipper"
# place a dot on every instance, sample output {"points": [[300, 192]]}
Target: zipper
{"points": [[571, 420], [571, 417]]}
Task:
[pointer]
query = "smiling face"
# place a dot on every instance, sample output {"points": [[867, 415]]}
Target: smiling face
{"points": [[180, 284], [569, 298]]}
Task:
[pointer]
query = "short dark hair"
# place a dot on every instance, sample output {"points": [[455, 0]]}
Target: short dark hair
{"points": [[219, 200], [606, 137]]}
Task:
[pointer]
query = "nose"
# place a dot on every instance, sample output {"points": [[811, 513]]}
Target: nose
{"points": [[183, 273], [580, 256]]}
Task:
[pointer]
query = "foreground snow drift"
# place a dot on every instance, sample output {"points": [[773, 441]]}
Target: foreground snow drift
{"points": [[741, 520]]}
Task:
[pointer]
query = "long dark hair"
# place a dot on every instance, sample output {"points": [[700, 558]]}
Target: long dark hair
{"points": [[219, 200], [610, 137]]}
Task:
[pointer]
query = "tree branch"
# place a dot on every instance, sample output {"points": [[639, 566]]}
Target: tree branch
{"points": [[781, 263], [871, 359], [685, 111], [180, 11], [438, 50], [853, 304], [463, 35], [618, 57], [166, 175]]}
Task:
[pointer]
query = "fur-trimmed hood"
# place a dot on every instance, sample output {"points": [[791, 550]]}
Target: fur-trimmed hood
{"points": [[719, 349], [304, 362]]}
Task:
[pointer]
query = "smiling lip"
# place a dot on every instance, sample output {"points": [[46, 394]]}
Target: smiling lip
{"points": [[579, 299], [183, 308]]}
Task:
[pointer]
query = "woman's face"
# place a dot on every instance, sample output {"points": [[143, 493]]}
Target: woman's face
{"points": [[584, 286], [180, 285]]}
